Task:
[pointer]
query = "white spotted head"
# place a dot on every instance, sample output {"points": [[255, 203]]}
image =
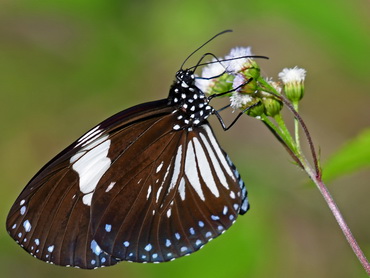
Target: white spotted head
{"points": [[191, 105]]}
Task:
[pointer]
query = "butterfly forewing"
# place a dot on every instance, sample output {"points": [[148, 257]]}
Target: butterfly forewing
{"points": [[51, 217]]}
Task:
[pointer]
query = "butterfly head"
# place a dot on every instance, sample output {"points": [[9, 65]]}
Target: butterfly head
{"points": [[190, 103], [185, 78]]}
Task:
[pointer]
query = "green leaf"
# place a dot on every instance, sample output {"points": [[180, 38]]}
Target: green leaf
{"points": [[353, 156]]}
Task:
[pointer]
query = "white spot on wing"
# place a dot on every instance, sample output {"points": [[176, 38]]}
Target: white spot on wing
{"points": [[90, 135], [95, 248], [87, 199], [192, 172], [27, 226], [23, 210], [232, 195], [215, 162], [220, 155], [224, 211], [158, 193], [182, 189], [110, 186], [148, 247], [159, 167], [177, 235], [176, 171], [149, 191], [215, 217], [168, 243], [51, 248], [108, 227], [204, 168], [91, 165], [165, 176]]}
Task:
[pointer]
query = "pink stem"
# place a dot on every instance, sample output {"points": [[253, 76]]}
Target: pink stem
{"points": [[340, 220]]}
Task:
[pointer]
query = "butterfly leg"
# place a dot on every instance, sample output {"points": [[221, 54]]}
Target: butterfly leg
{"points": [[224, 127], [223, 108]]}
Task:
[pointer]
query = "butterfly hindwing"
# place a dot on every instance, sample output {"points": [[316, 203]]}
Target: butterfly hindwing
{"points": [[171, 200]]}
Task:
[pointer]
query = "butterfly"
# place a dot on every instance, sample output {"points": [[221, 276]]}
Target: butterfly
{"points": [[149, 184]]}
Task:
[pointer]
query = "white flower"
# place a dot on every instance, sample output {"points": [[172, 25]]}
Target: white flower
{"points": [[208, 72], [293, 80], [214, 69], [239, 80], [292, 75], [237, 64], [239, 100], [203, 84]]}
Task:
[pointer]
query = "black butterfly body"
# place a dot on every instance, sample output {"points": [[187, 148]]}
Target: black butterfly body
{"points": [[149, 184]]}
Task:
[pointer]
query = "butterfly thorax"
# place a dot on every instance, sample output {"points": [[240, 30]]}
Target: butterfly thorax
{"points": [[191, 105]]}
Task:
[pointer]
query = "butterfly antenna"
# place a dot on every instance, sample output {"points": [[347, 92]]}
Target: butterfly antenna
{"points": [[217, 60], [215, 36]]}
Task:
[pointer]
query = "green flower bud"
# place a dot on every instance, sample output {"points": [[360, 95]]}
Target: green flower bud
{"points": [[252, 70], [222, 84], [272, 106], [257, 110], [293, 80], [294, 91]]}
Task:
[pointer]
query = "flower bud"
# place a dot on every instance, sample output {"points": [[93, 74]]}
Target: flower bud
{"points": [[272, 106], [222, 84], [293, 80], [257, 110]]}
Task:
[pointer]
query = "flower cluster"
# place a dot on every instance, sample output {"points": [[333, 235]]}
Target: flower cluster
{"points": [[239, 74]]}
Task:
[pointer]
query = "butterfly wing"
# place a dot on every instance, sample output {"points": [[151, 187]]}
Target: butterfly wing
{"points": [[51, 219], [132, 188], [173, 192]]}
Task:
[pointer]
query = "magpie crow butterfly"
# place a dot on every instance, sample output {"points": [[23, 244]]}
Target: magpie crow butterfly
{"points": [[149, 184]]}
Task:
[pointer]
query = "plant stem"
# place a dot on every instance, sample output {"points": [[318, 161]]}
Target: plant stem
{"points": [[284, 130], [307, 134], [280, 137], [338, 217], [294, 150], [296, 128]]}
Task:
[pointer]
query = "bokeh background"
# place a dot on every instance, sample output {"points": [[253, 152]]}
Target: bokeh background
{"points": [[67, 65]]}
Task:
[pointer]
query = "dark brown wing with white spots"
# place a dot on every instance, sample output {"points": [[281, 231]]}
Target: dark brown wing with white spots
{"points": [[148, 184], [51, 219], [170, 198]]}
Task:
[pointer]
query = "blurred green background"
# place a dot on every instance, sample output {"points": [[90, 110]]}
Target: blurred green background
{"points": [[67, 65]]}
